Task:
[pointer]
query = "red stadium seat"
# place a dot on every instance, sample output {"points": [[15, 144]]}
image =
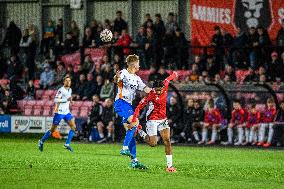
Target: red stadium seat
{"points": [[75, 112], [77, 103], [49, 103], [84, 108], [21, 104], [39, 94], [31, 102], [37, 110], [83, 113], [49, 93], [28, 110], [40, 103], [88, 104], [4, 81], [46, 111]]}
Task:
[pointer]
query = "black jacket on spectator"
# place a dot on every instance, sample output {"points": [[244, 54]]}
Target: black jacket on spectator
{"points": [[228, 40], [240, 41], [173, 113], [212, 69], [70, 45], [153, 77], [80, 89], [181, 49], [31, 91], [141, 41], [59, 32], [159, 29], [275, 70], [251, 78], [87, 42], [197, 115], [13, 37], [119, 25], [95, 115], [107, 115], [90, 89]]}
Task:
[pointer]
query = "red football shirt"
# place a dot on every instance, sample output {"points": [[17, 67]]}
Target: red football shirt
{"points": [[239, 116], [159, 102], [213, 117]]}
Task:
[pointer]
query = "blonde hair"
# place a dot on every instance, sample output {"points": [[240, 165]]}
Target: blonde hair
{"points": [[130, 59]]}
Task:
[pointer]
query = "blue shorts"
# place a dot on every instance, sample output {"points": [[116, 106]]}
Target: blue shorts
{"points": [[58, 117], [123, 109]]}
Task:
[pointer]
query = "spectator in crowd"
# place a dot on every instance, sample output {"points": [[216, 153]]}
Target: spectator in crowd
{"points": [[12, 37], [100, 83], [48, 40], [197, 120], [90, 87], [201, 64], [8, 102], [79, 88], [168, 43], [46, 77], [280, 35], [78, 72], [173, 113], [59, 31], [227, 38], [24, 44], [88, 38], [153, 75], [162, 73], [279, 125], [171, 24], [187, 119], [94, 27], [14, 67], [253, 44], [160, 30], [275, 68], [264, 41], [107, 72], [106, 126], [252, 76], [108, 25], [70, 44], [212, 67], [95, 114], [2, 33], [88, 65], [124, 42], [31, 91], [193, 76], [106, 90], [59, 75], [217, 42], [230, 72], [140, 42], [148, 19], [119, 24], [181, 50], [75, 31], [70, 71], [3, 66], [237, 53], [150, 47]]}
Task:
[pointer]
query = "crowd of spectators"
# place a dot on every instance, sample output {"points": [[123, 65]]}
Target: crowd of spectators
{"points": [[160, 44]]}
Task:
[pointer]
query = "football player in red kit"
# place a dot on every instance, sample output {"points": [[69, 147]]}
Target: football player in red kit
{"points": [[212, 120], [252, 125], [267, 120], [238, 120], [156, 118]]}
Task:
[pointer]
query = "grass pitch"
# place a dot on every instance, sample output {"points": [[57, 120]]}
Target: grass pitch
{"points": [[101, 166]]}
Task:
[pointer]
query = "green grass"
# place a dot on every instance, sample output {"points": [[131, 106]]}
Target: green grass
{"points": [[101, 166]]}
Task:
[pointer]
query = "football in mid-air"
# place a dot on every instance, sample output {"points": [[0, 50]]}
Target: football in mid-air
{"points": [[106, 35]]}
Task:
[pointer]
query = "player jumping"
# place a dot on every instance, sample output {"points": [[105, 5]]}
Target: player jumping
{"points": [[157, 119], [62, 99], [128, 83]]}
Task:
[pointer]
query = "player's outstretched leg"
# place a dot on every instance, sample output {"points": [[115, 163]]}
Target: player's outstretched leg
{"points": [[165, 134], [71, 133], [134, 162], [45, 137], [127, 140]]}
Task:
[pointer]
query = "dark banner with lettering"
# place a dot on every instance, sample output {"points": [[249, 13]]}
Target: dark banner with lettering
{"points": [[233, 14]]}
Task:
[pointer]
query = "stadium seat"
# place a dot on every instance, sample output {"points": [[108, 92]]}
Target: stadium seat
{"points": [[46, 111], [84, 108], [49, 103], [49, 93], [77, 103], [88, 104], [4, 81], [21, 104], [75, 112], [37, 110], [83, 113], [31, 102], [40, 103], [39, 94], [28, 110]]}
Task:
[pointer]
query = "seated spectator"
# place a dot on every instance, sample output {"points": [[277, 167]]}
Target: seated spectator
{"points": [[237, 53], [252, 76], [230, 72], [197, 120], [46, 77], [14, 67], [218, 80], [75, 31], [59, 75], [212, 67], [124, 41], [8, 102], [173, 113], [106, 90], [31, 91], [79, 88], [187, 119], [108, 25], [100, 82], [95, 114], [107, 72], [88, 39], [275, 68], [201, 64], [70, 44], [193, 76], [78, 72], [90, 88], [106, 126], [70, 71], [88, 65]]}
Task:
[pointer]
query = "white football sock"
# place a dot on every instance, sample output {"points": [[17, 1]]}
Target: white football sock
{"points": [[214, 134], [251, 135], [169, 160], [270, 133], [196, 136], [125, 147], [142, 133], [247, 132], [230, 135], [261, 132], [204, 134], [255, 136], [240, 133]]}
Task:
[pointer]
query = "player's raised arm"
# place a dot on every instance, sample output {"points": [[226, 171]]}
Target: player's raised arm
{"points": [[170, 77]]}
